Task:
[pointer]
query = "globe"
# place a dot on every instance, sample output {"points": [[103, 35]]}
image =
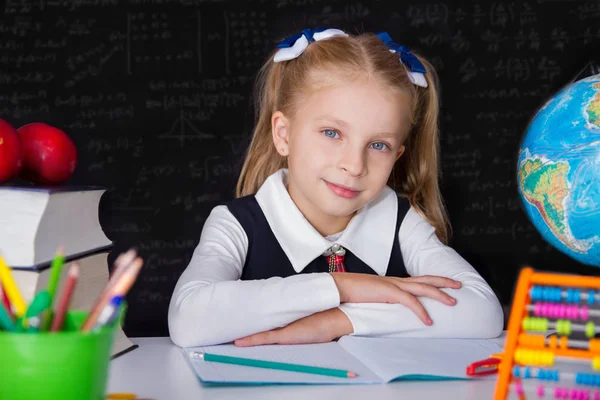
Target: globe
{"points": [[559, 170]]}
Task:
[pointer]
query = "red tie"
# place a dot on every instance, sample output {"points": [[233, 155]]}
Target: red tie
{"points": [[335, 256]]}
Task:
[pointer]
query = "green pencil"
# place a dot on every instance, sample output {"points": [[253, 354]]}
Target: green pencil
{"points": [[273, 365], [55, 270]]}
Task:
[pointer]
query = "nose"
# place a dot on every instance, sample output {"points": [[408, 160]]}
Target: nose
{"points": [[353, 161]]}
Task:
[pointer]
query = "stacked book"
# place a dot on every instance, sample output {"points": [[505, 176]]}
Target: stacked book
{"points": [[36, 221]]}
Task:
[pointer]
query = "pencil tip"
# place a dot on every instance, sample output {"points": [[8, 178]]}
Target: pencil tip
{"points": [[351, 374], [60, 251], [74, 270]]}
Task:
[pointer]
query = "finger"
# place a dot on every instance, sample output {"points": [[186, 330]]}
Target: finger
{"points": [[258, 339], [437, 281], [426, 290], [415, 305]]}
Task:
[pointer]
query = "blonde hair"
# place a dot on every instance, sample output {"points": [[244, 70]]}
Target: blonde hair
{"points": [[280, 87]]}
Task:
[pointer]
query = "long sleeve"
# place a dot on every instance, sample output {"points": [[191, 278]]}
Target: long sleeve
{"points": [[210, 305], [477, 313]]}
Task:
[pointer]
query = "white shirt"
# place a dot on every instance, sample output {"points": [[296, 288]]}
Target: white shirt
{"points": [[211, 305]]}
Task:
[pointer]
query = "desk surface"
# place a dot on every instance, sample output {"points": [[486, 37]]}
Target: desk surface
{"points": [[158, 370]]}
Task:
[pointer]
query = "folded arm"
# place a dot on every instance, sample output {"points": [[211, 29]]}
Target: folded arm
{"points": [[210, 305], [477, 313]]}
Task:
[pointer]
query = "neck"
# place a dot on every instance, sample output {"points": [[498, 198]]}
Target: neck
{"points": [[325, 224]]}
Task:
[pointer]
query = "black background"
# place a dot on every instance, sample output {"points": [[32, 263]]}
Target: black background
{"points": [[157, 95]]}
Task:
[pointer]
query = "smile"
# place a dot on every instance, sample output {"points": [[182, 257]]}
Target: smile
{"points": [[342, 191]]}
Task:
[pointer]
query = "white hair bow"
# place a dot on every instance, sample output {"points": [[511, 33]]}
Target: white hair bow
{"points": [[292, 46]]}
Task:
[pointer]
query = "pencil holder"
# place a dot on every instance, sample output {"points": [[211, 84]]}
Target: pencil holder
{"points": [[65, 365]]}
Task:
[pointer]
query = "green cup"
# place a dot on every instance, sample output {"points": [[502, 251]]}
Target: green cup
{"points": [[65, 365]]}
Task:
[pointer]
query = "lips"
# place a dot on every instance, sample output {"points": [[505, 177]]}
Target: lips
{"points": [[342, 191]]}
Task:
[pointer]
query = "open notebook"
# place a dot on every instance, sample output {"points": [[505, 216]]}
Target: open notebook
{"points": [[374, 360]]}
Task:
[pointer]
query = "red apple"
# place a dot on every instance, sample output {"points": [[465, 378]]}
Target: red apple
{"points": [[10, 152], [49, 154]]}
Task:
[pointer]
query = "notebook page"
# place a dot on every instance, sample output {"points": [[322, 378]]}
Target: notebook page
{"points": [[392, 358], [327, 355]]}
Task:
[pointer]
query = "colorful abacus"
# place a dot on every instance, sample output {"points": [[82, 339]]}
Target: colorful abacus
{"points": [[552, 303]]}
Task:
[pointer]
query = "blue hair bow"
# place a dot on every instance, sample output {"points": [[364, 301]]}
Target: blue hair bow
{"points": [[292, 46], [416, 69]]}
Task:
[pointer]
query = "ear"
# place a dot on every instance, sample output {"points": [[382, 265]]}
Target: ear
{"points": [[400, 152], [280, 129]]}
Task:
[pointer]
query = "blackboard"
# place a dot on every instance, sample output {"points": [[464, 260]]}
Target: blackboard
{"points": [[157, 95]]}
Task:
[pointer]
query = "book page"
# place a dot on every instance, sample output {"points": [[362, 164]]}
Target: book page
{"points": [[327, 355], [412, 358]]}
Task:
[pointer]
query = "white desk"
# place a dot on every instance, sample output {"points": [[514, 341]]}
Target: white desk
{"points": [[158, 370]]}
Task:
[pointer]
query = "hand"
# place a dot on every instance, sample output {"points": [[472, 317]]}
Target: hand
{"points": [[366, 288], [320, 327]]}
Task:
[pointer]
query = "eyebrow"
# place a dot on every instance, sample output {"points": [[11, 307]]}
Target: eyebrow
{"points": [[332, 119], [344, 124]]}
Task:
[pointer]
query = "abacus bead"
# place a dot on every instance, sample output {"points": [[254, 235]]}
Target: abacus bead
{"points": [[538, 309], [590, 329], [563, 327], [516, 371], [594, 345], [518, 388], [540, 390], [556, 294], [584, 395], [584, 313], [547, 293]]}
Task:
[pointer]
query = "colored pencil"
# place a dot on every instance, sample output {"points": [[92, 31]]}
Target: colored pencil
{"points": [[109, 313], [6, 321], [55, 271], [249, 362], [120, 287], [65, 298], [6, 302], [120, 265], [34, 316], [127, 280], [10, 287]]}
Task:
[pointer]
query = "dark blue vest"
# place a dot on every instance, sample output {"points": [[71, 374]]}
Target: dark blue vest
{"points": [[266, 259]]}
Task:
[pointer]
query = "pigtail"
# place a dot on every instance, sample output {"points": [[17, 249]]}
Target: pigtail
{"points": [[262, 159], [419, 166]]}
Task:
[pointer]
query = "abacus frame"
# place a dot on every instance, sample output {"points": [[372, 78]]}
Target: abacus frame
{"points": [[527, 278]]}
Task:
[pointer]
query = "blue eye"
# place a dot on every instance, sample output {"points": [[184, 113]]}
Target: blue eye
{"points": [[330, 133], [380, 146]]}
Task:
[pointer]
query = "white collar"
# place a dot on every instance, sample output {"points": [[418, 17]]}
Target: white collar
{"points": [[369, 235]]}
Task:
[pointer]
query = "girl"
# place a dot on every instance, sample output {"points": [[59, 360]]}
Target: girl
{"points": [[316, 245]]}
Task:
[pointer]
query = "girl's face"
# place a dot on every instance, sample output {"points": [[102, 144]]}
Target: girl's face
{"points": [[341, 145]]}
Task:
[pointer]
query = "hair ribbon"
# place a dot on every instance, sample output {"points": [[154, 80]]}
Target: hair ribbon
{"points": [[416, 69], [292, 46]]}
